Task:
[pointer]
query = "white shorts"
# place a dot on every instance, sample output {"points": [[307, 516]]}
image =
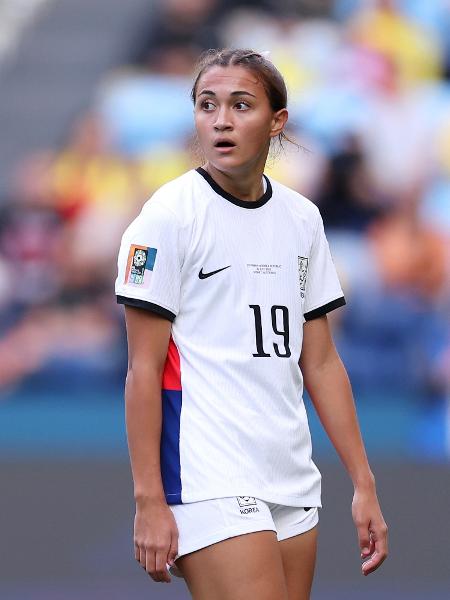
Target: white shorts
{"points": [[201, 524]]}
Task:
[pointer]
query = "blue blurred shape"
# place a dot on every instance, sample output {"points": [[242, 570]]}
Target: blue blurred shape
{"points": [[147, 110], [57, 428]]}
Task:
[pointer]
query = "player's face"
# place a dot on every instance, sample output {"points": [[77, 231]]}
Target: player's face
{"points": [[234, 119]]}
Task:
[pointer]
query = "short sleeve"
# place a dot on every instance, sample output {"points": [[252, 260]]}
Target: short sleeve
{"points": [[323, 292], [149, 263]]}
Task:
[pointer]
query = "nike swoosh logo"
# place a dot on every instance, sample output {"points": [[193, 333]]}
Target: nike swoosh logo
{"points": [[202, 275]]}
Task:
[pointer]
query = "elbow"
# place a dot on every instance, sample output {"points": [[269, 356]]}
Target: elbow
{"points": [[143, 375], [316, 366], [145, 366], [317, 373]]}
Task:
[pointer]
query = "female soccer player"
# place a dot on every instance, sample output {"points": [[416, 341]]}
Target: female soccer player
{"points": [[227, 280]]}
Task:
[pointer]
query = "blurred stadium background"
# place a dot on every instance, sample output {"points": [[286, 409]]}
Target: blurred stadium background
{"points": [[94, 116]]}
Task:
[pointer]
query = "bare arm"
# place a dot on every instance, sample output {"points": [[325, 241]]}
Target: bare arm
{"points": [[328, 385], [148, 340], [155, 532]]}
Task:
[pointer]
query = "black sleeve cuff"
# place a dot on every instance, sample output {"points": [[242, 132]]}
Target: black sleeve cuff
{"points": [[323, 310], [155, 308]]}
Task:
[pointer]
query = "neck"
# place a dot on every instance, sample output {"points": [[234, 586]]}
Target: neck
{"points": [[245, 186]]}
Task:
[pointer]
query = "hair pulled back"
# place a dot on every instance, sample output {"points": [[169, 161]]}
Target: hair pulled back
{"points": [[264, 69]]}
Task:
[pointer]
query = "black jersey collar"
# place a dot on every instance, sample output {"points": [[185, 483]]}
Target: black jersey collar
{"points": [[242, 203]]}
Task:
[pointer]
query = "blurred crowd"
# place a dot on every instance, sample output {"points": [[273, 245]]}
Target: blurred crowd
{"points": [[369, 100]]}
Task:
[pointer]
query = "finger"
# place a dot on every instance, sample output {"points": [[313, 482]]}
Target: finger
{"points": [[142, 556], [136, 552], [161, 569], [379, 536], [364, 538], [150, 562], [368, 550], [373, 562], [173, 550], [379, 555]]}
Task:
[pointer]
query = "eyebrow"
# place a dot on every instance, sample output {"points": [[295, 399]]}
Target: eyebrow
{"points": [[237, 93]]}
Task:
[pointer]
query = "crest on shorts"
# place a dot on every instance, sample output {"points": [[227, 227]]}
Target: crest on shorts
{"points": [[302, 273], [246, 500], [140, 263]]}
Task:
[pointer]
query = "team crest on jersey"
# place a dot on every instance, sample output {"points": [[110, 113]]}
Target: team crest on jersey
{"points": [[141, 261], [302, 273]]}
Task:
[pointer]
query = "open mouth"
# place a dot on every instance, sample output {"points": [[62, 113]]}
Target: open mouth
{"points": [[224, 144]]}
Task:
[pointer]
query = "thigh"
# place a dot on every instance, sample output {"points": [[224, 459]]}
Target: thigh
{"points": [[201, 524], [298, 555], [297, 538], [238, 568]]}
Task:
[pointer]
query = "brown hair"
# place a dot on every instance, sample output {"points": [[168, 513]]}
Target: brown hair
{"points": [[264, 69]]}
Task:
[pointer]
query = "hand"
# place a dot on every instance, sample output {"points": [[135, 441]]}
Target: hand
{"points": [[372, 529], [155, 538]]}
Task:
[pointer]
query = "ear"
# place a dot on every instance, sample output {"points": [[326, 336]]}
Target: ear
{"points": [[279, 120]]}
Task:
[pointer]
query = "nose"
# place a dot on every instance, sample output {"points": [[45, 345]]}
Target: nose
{"points": [[223, 122]]}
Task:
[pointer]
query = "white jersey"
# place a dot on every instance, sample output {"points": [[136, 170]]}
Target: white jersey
{"points": [[237, 279]]}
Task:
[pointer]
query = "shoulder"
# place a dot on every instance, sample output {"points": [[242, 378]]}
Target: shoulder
{"points": [[294, 202], [173, 199], [165, 212]]}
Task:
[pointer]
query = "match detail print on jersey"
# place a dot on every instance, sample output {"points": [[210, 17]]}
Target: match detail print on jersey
{"points": [[141, 261]]}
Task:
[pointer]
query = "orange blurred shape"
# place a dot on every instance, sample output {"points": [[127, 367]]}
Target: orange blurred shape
{"points": [[410, 254]]}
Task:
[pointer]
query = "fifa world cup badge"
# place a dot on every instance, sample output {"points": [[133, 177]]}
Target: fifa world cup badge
{"points": [[141, 261]]}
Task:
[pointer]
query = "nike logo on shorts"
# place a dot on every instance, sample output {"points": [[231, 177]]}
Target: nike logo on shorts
{"points": [[202, 275]]}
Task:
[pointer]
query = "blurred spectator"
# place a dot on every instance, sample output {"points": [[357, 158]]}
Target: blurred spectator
{"points": [[62, 348], [411, 255], [348, 197], [88, 171], [177, 32], [382, 27], [30, 238]]}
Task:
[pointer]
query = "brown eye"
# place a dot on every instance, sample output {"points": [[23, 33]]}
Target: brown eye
{"points": [[207, 105], [242, 105]]}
